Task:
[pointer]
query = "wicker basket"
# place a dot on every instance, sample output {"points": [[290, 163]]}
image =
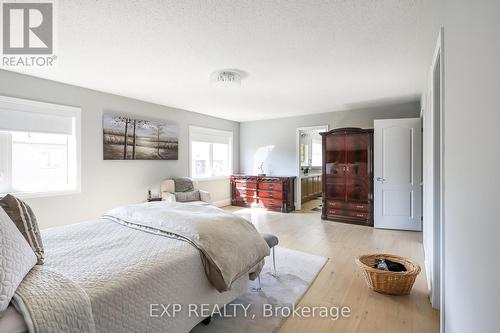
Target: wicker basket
{"points": [[386, 282]]}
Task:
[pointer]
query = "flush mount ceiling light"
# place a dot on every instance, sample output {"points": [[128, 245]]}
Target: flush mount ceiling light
{"points": [[226, 79]]}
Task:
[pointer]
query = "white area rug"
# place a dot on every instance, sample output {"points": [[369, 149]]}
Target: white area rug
{"points": [[296, 271]]}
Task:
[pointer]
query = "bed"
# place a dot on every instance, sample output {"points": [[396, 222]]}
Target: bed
{"points": [[121, 274]]}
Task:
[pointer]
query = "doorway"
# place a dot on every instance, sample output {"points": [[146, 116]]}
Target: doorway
{"points": [[309, 157]]}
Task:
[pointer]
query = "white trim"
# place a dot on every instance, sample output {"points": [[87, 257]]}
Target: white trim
{"points": [[298, 192], [78, 138], [42, 194], [437, 279], [434, 182], [442, 196], [222, 203]]}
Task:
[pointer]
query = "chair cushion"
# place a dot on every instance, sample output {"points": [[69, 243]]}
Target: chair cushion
{"points": [[183, 185], [187, 196], [270, 239], [24, 219]]}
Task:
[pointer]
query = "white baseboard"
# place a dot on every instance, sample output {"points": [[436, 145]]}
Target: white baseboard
{"points": [[222, 203]]}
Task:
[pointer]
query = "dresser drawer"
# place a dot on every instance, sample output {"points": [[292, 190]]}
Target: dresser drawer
{"points": [[245, 200], [349, 205], [348, 213], [335, 204], [360, 207], [335, 212], [245, 185], [271, 194], [270, 202], [271, 186], [245, 193]]}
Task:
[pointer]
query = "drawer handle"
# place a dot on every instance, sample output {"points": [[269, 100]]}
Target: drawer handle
{"points": [[360, 215], [360, 206]]}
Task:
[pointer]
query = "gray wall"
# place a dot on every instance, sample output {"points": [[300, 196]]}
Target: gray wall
{"points": [[472, 165], [274, 141], [106, 184]]}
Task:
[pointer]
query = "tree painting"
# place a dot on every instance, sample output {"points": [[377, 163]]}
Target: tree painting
{"points": [[123, 121], [127, 138], [157, 129], [137, 124]]}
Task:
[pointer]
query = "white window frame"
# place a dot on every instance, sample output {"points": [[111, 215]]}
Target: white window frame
{"points": [[215, 132], [48, 109]]}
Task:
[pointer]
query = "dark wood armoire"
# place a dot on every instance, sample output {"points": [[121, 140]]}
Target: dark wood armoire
{"points": [[348, 175]]}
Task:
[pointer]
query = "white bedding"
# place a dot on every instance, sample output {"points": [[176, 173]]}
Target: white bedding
{"points": [[124, 271]]}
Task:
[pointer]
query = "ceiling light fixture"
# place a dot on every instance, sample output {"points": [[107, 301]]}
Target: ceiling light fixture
{"points": [[226, 79]]}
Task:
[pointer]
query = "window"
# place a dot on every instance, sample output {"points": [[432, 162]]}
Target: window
{"points": [[211, 152], [316, 153], [39, 148]]}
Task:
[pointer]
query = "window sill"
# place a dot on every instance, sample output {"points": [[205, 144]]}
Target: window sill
{"points": [[207, 179], [44, 194]]}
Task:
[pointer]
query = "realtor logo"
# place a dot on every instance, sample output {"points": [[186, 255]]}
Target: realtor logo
{"points": [[28, 34], [27, 28]]}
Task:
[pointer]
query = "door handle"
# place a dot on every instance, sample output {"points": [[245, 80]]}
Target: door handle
{"points": [[380, 179]]}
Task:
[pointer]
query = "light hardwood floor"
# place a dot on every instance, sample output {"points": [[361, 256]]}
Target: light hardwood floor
{"points": [[340, 283]]}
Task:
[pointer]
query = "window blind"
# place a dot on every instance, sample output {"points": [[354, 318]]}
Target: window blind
{"points": [[200, 134], [30, 116]]}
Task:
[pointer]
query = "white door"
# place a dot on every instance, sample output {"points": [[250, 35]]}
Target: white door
{"points": [[397, 174]]}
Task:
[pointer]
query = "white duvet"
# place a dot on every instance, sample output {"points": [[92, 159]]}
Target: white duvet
{"points": [[124, 271]]}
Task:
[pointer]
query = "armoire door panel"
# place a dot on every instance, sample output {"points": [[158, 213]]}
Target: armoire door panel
{"points": [[335, 150], [358, 183]]}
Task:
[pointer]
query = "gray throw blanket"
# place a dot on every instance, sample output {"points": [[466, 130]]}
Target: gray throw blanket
{"points": [[183, 185], [230, 245]]}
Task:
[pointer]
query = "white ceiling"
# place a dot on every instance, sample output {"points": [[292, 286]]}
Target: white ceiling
{"points": [[300, 56]]}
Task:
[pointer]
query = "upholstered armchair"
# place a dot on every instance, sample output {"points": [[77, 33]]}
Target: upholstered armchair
{"points": [[184, 190]]}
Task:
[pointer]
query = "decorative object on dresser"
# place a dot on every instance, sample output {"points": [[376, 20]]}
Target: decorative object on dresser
{"points": [[348, 175], [261, 169], [272, 193]]}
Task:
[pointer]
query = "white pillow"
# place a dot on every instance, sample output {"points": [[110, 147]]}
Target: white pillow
{"points": [[16, 259]]}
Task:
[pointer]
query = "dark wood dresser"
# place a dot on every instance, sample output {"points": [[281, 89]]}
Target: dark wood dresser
{"points": [[272, 193], [348, 175]]}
